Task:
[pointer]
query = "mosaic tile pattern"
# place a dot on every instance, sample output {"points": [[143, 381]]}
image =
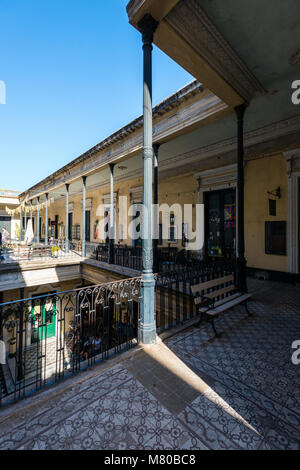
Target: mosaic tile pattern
{"points": [[113, 412], [251, 371]]}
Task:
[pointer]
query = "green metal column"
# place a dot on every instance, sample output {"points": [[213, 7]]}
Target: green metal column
{"points": [[67, 220], [46, 221], [147, 326], [21, 223], [241, 276], [83, 231], [112, 216], [155, 201], [25, 217], [38, 221]]}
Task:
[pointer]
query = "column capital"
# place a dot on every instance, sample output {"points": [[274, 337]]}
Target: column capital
{"points": [[147, 153], [156, 148], [67, 186], [240, 111], [47, 196], [147, 26], [84, 179], [112, 167]]}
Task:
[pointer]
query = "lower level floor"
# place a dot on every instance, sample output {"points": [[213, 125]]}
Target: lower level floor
{"points": [[192, 391]]}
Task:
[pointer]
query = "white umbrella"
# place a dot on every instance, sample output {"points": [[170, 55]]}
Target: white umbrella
{"points": [[29, 236]]}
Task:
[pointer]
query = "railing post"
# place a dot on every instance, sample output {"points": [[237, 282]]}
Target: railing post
{"points": [[46, 221], [38, 221], [112, 216], [67, 220], [83, 230], [241, 277], [147, 326], [155, 201]]}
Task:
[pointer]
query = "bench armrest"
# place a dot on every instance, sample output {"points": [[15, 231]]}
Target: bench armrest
{"points": [[207, 302]]}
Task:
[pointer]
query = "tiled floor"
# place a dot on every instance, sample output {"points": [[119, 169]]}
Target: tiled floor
{"points": [[240, 391]]}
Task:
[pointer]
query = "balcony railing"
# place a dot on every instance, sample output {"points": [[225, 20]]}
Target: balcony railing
{"points": [[17, 252], [169, 258], [173, 296], [54, 336]]}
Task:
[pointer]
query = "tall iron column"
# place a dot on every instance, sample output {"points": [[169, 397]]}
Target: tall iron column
{"points": [[21, 223], [112, 216], [38, 221], [83, 235], [155, 201], [241, 276], [46, 220], [67, 220], [147, 326]]}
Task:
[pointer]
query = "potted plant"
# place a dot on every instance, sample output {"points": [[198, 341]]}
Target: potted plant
{"points": [[54, 251]]}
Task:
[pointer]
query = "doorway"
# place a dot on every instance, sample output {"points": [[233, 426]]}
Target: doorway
{"points": [[43, 317], [220, 223]]}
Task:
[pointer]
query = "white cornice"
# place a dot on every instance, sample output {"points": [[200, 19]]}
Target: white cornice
{"points": [[190, 21], [173, 124], [252, 138]]}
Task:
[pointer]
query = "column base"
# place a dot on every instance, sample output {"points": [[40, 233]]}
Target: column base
{"points": [[147, 333], [241, 275], [147, 324]]}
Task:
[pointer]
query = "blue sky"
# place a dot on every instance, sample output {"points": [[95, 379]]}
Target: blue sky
{"points": [[73, 72]]}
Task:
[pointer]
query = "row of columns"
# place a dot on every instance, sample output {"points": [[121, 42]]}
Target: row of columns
{"points": [[147, 327], [31, 218]]}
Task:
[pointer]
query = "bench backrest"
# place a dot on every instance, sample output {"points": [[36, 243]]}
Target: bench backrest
{"points": [[216, 289]]}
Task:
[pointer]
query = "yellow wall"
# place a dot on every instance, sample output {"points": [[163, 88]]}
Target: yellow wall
{"points": [[180, 189], [261, 176]]}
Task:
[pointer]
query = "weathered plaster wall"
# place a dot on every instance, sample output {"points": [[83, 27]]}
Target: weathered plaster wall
{"points": [[261, 176]]}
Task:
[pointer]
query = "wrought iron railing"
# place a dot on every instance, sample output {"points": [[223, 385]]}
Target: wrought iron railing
{"points": [[128, 256], [169, 258], [56, 335], [17, 252]]}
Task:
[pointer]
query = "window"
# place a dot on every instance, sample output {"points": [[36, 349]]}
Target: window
{"points": [[70, 216], [272, 207], [88, 226], [76, 235], [276, 238]]}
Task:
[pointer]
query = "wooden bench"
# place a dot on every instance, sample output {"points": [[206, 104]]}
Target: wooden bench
{"points": [[216, 296]]}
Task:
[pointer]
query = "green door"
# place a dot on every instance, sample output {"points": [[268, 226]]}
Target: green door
{"points": [[43, 321]]}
